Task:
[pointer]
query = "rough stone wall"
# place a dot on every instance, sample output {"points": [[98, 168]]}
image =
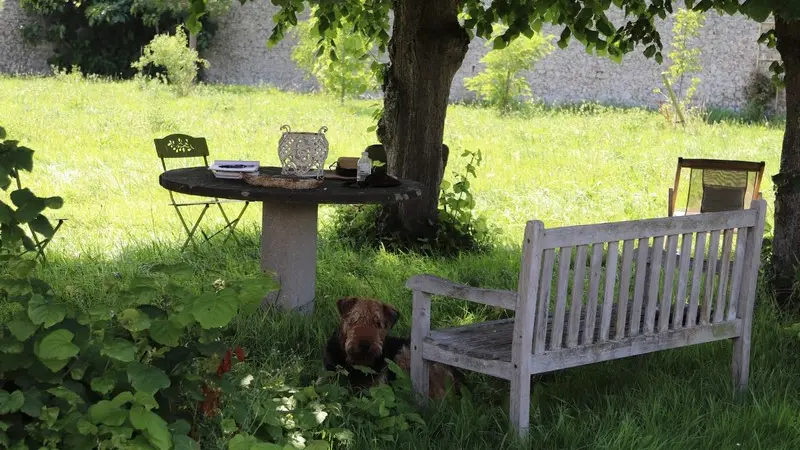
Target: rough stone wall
{"points": [[239, 55], [15, 55]]}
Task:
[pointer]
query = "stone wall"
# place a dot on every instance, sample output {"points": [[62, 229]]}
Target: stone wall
{"points": [[15, 56], [239, 55]]}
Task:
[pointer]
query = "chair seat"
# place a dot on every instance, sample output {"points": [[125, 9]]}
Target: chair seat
{"points": [[208, 202], [492, 340]]}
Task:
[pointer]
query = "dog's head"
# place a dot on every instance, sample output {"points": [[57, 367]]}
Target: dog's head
{"points": [[363, 327]]}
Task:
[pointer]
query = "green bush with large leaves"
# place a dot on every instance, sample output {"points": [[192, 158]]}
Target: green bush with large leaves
{"points": [[108, 377]]}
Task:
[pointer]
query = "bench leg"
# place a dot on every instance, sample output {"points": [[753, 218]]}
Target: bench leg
{"points": [[741, 364], [420, 327], [520, 404]]}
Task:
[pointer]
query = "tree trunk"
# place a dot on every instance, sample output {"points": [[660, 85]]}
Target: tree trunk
{"points": [[426, 49], [786, 243], [193, 40]]}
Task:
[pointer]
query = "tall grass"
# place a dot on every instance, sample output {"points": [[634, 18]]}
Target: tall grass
{"points": [[565, 167]]}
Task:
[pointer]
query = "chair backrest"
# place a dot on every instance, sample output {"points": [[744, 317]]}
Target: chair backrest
{"points": [[715, 185], [181, 146], [598, 283]]}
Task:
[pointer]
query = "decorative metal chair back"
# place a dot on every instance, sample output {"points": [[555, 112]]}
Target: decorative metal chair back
{"points": [[714, 185], [303, 154], [181, 146]]}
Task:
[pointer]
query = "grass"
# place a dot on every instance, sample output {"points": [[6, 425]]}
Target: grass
{"points": [[565, 166]]}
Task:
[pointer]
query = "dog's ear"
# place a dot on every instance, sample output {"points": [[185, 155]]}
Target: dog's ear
{"points": [[391, 315], [345, 304]]}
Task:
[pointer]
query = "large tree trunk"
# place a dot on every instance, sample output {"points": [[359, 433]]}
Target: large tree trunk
{"points": [[426, 49], [786, 243]]}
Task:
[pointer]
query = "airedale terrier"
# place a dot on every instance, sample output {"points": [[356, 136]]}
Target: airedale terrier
{"points": [[362, 340]]}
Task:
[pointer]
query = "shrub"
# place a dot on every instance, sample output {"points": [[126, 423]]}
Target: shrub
{"points": [[458, 228], [760, 93], [102, 36], [344, 69], [500, 84], [685, 61], [173, 54]]}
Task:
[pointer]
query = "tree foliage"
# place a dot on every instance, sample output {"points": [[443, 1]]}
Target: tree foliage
{"points": [[500, 83], [172, 53], [342, 65]]}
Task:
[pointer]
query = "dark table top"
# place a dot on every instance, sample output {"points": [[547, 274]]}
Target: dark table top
{"points": [[202, 182]]}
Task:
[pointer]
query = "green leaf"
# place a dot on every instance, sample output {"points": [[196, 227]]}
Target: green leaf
{"points": [[54, 202], [66, 394], [229, 426], [33, 403], [122, 399], [86, 428], [106, 413], [318, 445], [104, 384], [11, 402], [146, 400], [6, 214], [182, 442], [54, 364], [119, 349], [147, 379], [244, 441], [166, 332], [42, 226], [45, 312], [134, 320], [21, 327], [210, 312], [57, 346], [153, 427], [29, 210]]}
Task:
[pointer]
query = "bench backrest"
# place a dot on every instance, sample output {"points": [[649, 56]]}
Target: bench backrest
{"points": [[605, 282]]}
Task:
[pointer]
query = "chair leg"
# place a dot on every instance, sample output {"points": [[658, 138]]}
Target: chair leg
{"points": [[740, 366], [232, 232], [194, 228]]}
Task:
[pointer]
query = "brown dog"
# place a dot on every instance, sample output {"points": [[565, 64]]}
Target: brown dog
{"points": [[362, 340]]}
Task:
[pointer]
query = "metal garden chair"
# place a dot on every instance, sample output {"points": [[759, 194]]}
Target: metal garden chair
{"points": [[184, 146], [40, 241]]}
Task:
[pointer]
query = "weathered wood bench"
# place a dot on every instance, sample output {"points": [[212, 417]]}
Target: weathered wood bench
{"points": [[556, 326]]}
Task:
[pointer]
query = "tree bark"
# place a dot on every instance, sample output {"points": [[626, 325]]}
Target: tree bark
{"points": [[426, 49], [786, 242]]}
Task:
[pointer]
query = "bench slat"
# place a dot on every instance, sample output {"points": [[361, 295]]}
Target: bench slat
{"points": [[608, 295], [596, 269], [736, 275], [545, 284], [624, 287], [652, 289], [697, 273], [669, 276], [722, 287], [683, 280], [635, 229], [713, 255], [638, 288], [564, 256], [579, 268]]}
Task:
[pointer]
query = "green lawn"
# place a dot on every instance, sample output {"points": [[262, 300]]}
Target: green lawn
{"points": [[93, 143]]}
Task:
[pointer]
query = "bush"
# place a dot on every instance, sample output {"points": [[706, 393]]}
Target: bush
{"points": [[685, 61], [173, 54], [458, 228], [344, 69], [500, 84], [103, 37], [760, 95]]}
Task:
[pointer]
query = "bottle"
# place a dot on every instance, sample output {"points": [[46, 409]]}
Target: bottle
{"points": [[363, 168]]}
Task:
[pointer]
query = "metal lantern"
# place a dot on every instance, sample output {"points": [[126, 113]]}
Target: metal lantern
{"points": [[303, 154]]}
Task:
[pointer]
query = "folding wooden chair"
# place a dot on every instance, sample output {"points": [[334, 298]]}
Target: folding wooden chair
{"points": [[40, 241], [714, 185], [184, 146]]}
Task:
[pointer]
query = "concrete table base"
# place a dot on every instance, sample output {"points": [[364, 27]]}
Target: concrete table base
{"points": [[289, 251]]}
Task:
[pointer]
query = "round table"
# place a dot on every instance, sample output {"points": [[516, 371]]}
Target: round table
{"points": [[289, 221]]}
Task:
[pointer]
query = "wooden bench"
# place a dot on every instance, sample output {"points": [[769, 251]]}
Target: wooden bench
{"points": [[570, 311]]}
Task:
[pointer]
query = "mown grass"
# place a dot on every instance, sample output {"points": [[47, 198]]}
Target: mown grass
{"points": [[565, 167]]}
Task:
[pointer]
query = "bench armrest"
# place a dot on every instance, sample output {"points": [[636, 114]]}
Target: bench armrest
{"points": [[434, 285]]}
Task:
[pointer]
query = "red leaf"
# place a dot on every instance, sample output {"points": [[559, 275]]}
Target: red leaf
{"points": [[239, 353], [210, 403], [225, 365]]}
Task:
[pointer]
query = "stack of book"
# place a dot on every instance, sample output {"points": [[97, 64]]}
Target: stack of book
{"points": [[231, 169]]}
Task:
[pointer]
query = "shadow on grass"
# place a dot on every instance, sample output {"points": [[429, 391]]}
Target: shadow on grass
{"points": [[674, 399]]}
